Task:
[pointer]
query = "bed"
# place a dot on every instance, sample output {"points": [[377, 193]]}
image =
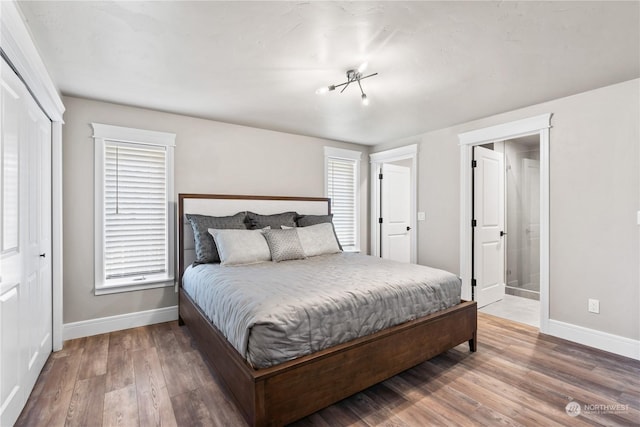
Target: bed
{"points": [[284, 390]]}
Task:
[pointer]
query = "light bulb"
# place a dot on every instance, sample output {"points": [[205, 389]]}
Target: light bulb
{"points": [[365, 100], [363, 67]]}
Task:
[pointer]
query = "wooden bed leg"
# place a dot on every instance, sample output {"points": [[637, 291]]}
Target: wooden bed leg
{"points": [[180, 321], [473, 342]]}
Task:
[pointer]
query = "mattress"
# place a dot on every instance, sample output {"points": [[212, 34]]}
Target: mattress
{"points": [[274, 312]]}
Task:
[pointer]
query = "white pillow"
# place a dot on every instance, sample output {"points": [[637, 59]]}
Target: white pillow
{"points": [[241, 246], [317, 239]]}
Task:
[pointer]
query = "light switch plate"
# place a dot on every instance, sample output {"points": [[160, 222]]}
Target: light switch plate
{"points": [[422, 216], [638, 217], [594, 306]]}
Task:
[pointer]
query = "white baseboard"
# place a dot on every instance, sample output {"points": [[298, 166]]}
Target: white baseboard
{"points": [[104, 325], [597, 339], [602, 340]]}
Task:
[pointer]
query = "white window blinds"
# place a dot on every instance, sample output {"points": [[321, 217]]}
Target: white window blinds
{"points": [[135, 210], [343, 175], [134, 218], [341, 189]]}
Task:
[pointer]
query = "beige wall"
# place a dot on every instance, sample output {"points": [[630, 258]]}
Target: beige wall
{"points": [[210, 157], [595, 194]]}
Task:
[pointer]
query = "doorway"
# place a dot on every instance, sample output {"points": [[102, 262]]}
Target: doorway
{"points": [[507, 234], [394, 201], [395, 210], [538, 125]]}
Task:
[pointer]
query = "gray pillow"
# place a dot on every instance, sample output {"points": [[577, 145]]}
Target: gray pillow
{"points": [[307, 220], [284, 244], [206, 251], [241, 246], [319, 239], [257, 221]]}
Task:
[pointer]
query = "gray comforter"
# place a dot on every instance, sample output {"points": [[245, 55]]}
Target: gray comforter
{"points": [[274, 312]]}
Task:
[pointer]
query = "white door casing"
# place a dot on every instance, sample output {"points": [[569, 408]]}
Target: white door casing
{"points": [[405, 153], [17, 44], [488, 239], [537, 125], [395, 206], [25, 291]]}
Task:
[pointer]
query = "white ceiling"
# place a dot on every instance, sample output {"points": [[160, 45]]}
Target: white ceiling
{"points": [[259, 63]]}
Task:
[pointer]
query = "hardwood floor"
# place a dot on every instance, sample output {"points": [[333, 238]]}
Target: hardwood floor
{"points": [[154, 376]]}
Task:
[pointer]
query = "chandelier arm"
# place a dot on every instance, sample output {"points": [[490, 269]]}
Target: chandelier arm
{"points": [[347, 85], [360, 86], [341, 84], [366, 77]]}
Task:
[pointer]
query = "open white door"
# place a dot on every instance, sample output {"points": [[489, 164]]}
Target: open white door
{"points": [[395, 206], [488, 232]]}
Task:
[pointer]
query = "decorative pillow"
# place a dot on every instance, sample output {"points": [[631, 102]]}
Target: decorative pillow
{"points": [[206, 251], [284, 244], [257, 221], [241, 246], [319, 239], [307, 220]]}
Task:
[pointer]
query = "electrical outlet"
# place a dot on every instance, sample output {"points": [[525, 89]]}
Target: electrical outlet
{"points": [[594, 306], [421, 216], [638, 217]]}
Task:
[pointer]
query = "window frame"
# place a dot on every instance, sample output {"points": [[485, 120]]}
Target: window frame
{"points": [[356, 157], [102, 134]]}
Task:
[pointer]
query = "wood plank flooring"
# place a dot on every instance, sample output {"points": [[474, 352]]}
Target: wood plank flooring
{"points": [[154, 376]]}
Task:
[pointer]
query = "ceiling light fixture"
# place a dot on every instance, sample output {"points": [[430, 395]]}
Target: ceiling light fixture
{"points": [[352, 76]]}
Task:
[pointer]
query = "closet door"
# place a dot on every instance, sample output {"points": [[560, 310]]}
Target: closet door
{"points": [[25, 244], [37, 239]]}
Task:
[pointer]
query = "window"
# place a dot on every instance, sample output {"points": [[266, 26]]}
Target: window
{"points": [[134, 219], [342, 172]]}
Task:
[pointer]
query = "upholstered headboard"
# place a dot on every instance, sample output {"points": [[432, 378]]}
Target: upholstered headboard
{"points": [[225, 205]]}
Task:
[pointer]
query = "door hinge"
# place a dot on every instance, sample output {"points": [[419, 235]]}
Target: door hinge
{"points": [[379, 220], [473, 222], [379, 176], [473, 282], [474, 164]]}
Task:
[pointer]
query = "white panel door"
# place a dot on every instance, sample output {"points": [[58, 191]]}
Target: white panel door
{"points": [[488, 211], [531, 214], [37, 267], [25, 245], [12, 289], [395, 207]]}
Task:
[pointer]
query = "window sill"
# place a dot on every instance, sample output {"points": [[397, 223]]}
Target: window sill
{"points": [[138, 285]]}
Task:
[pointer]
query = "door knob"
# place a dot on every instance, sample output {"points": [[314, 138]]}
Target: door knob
{"points": [[43, 255], [408, 228], [502, 233]]}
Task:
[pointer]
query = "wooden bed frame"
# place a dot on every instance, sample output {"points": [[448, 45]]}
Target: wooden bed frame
{"points": [[292, 390]]}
